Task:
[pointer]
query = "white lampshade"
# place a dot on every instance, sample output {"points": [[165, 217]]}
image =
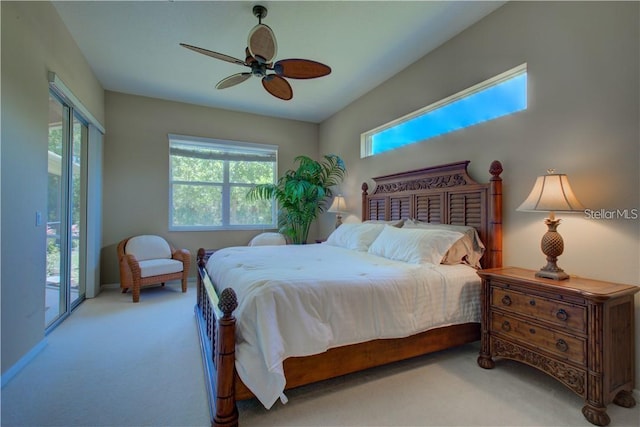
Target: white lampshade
{"points": [[338, 204], [552, 192]]}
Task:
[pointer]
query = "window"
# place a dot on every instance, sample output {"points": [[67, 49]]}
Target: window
{"points": [[209, 180], [499, 96]]}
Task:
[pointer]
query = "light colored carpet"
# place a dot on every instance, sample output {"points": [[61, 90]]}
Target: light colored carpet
{"points": [[114, 363]]}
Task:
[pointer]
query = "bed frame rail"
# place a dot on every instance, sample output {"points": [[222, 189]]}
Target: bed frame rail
{"points": [[217, 329]]}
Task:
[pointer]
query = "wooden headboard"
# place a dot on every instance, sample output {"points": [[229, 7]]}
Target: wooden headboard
{"points": [[443, 194]]}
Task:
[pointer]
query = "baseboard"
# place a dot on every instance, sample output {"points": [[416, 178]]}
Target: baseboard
{"points": [[190, 281], [22, 362], [110, 286]]}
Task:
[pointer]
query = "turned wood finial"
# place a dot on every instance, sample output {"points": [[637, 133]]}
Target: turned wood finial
{"points": [[365, 212], [496, 169], [228, 302], [200, 257]]}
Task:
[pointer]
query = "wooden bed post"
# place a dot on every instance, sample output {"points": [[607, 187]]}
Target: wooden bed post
{"points": [[200, 264], [495, 215], [365, 213], [225, 356]]}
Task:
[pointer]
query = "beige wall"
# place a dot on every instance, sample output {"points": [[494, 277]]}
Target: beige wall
{"points": [[582, 120], [136, 166], [34, 41]]}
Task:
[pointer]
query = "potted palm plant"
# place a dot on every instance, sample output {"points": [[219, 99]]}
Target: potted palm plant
{"points": [[302, 194]]}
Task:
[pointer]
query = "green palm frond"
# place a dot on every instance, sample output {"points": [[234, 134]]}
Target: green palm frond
{"points": [[302, 193]]}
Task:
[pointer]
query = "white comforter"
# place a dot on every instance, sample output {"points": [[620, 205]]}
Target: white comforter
{"points": [[299, 300]]}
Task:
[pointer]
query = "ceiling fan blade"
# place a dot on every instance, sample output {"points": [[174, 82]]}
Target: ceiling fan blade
{"points": [[277, 86], [248, 58], [214, 54], [262, 43], [301, 68], [232, 80]]}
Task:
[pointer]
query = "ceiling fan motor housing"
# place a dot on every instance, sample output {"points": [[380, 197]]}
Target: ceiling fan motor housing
{"points": [[258, 69], [259, 11]]}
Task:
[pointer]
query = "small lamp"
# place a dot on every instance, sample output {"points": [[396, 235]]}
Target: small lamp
{"points": [[552, 193], [338, 206]]}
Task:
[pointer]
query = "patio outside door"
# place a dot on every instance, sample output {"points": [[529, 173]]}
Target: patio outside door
{"points": [[66, 207]]}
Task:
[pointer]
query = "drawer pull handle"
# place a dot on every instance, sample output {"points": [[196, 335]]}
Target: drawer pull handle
{"points": [[506, 300], [562, 345], [532, 302], [532, 331], [506, 326], [562, 315]]}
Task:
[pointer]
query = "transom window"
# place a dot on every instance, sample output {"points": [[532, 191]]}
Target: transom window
{"points": [[209, 180], [499, 96]]}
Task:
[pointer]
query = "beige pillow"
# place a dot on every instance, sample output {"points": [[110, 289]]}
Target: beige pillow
{"points": [[394, 222], [468, 250]]}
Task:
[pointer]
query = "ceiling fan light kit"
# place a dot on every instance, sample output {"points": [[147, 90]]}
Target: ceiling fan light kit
{"points": [[261, 49]]}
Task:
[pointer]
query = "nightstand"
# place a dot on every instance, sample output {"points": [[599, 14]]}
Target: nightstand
{"points": [[579, 331]]}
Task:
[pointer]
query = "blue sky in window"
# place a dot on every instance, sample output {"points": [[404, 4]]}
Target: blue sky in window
{"points": [[496, 101]]}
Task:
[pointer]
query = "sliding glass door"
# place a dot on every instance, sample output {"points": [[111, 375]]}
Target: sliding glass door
{"points": [[66, 211]]}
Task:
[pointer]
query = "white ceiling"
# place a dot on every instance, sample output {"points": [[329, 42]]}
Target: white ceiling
{"points": [[132, 46]]}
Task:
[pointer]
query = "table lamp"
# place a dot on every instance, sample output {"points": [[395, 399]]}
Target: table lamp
{"points": [[552, 193], [338, 206]]}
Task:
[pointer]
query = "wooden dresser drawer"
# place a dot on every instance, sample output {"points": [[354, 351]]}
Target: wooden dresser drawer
{"points": [[532, 334], [580, 331], [559, 313]]}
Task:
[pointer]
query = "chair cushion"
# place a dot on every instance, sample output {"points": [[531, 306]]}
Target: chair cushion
{"points": [[157, 267], [265, 239], [148, 247]]}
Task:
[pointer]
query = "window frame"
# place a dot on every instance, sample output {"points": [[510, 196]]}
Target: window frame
{"points": [[226, 185], [366, 138]]}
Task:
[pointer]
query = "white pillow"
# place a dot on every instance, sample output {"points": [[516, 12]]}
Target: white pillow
{"points": [[356, 236], [414, 246], [148, 247], [466, 251], [268, 239]]}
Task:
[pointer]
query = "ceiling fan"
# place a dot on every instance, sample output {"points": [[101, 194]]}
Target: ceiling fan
{"points": [[260, 51]]}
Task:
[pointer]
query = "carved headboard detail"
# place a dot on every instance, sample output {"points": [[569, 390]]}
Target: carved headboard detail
{"points": [[444, 194]]}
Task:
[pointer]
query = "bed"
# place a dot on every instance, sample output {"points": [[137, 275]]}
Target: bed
{"points": [[234, 333]]}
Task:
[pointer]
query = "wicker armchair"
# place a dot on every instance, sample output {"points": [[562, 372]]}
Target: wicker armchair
{"points": [[149, 260]]}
